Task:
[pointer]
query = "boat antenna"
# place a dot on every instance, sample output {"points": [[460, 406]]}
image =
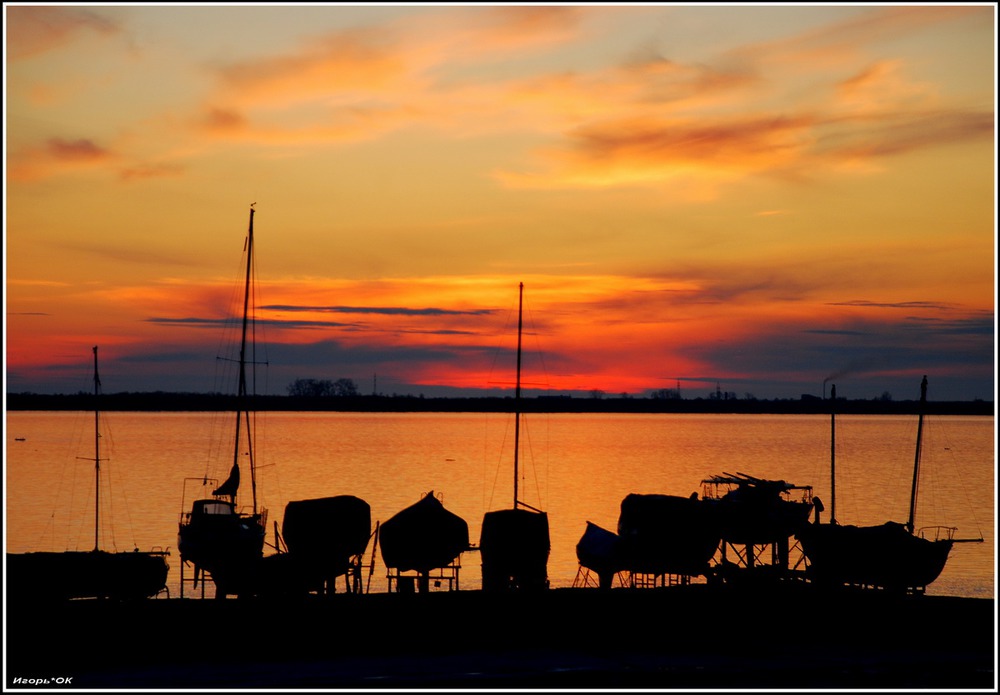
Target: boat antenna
{"points": [[833, 455], [910, 523], [517, 386]]}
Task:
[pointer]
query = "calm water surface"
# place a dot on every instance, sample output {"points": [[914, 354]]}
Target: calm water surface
{"points": [[577, 467]]}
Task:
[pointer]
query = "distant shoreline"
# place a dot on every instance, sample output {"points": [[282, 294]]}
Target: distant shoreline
{"points": [[198, 402]]}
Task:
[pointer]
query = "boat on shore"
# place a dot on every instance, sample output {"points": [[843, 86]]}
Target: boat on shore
{"points": [[668, 534], [96, 573], [423, 537], [514, 543], [321, 539], [757, 511], [217, 538], [600, 550], [892, 556]]}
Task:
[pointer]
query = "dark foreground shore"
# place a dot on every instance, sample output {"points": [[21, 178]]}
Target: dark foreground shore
{"points": [[667, 638]]}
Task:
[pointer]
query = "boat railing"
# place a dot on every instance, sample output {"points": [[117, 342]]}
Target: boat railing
{"points": [[938, 533], [185, 516], [248, 513], [719, 486]]}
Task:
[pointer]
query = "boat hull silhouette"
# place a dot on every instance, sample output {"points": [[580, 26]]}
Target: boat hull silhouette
{"points": [[514, 546], [329, 531], [886, 556], [668, 534], [600, 550], [86, 574], [324, 538], [422, 537], [81, 574], [889, 556], [514, 543], [215, 538]]}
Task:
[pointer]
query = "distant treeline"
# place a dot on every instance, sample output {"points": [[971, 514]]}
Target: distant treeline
{"points": [[163, 401]]}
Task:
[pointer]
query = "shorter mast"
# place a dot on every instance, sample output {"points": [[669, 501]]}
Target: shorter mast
{"points": [[517, 389], [911, 522], [97, 458], [833, 454]]}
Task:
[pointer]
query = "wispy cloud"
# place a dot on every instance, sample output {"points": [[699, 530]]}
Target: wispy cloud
{"points": [[199, 322], [390, 311], [32, 30], [58, 155], [865, 303]]}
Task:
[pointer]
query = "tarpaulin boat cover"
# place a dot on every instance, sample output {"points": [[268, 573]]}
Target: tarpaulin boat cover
{"points": [[424, 536]]}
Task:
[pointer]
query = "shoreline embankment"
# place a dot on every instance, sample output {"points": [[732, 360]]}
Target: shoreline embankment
{"points": [[675, 637]]}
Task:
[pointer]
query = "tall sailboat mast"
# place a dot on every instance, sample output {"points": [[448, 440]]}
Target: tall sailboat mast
{"points": [[517, 389], [241, 394], [911, 521], [97, 458]]}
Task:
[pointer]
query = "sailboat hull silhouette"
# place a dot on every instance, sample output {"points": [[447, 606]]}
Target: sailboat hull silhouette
{"points": [[514, 543], [214, 536], [87, 574], [889, 555]]}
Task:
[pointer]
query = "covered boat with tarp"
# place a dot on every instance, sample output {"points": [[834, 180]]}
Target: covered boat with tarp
{"points": [[668, 534], [514, 543], [324, 537], [515, 548], [600, 550], [423, 537]]}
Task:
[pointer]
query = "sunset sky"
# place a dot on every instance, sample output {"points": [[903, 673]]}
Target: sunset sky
{"points": [[753, 198]]}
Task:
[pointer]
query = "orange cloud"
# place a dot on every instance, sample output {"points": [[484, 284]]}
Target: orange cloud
{"points": [[81, 150], [58, 155], [363, 82]]}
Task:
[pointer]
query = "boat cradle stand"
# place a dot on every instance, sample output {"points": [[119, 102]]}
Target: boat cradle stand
{"points": [[586, 578], [779, 560], [411, 581]]}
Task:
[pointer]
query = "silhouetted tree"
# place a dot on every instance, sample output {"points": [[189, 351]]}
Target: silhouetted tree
{"points": [[323, 387], [665, 394], [345, 387], [310, 387]]}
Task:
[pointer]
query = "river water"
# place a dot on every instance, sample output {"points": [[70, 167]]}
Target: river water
{"points": [[576, 467]]}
